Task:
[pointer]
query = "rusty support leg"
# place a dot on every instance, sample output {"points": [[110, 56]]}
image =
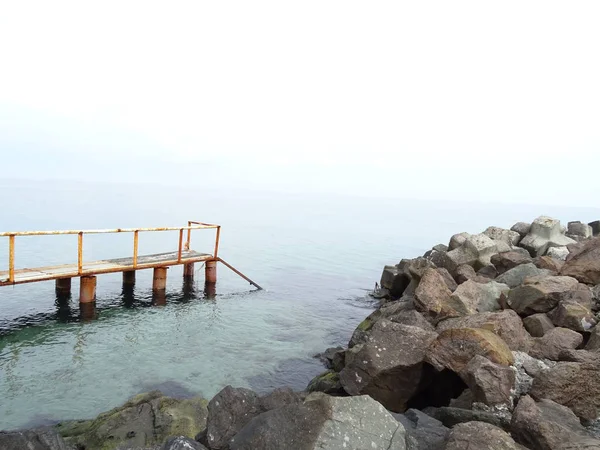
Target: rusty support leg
{"points": [[129, 278], [188, 271], [210, 271], [87, 289], [63, 286], [159, 281]]}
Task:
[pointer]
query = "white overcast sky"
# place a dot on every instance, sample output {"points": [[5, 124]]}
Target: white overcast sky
{"points": [[451, 99]]}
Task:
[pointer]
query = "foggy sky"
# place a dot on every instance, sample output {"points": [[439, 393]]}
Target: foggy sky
{"points": [[494, 101]]}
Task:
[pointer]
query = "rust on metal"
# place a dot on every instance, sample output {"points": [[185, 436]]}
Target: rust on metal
{"points": [[217, 241], [239, 273], [180, 246], [189, 236], [11, 258], [201, 226], [80, 253], [135, 248]]}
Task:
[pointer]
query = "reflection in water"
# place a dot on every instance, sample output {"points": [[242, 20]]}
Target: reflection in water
{"points": [[159, 297], [210, 290], [127, 295], [63, 306], [87, 311]]}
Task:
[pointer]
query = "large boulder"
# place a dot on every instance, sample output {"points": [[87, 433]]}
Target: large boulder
{"points": [[572, 315], [480, 436], [554, 266], [476, 297], [546, 425], [522, 228], [433, 298], [457, 240], [395, 280], [505, 239], [593, 343], [505, 324], [451, 416], [490, 383], [517, 275], [182, 443], [324, 423], [508, 260], [541, 294], [40, 439], [537, 324], [145, 420], [228, 412], [423, 432], [389, 365], [454, 348], [545, 233], [476, 251], [579, 231], [571, 384], [585, 264], [554, 342], [595, 227]]}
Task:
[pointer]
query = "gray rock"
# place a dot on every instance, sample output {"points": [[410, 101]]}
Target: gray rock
{"points": [[280, 397], [228, 412], [595, 227], [545, 233], [546, 425], [517, 275], [584, 264], [490, 383], [522, 228], [571, 384], [394, 280], [327, 382], [450, 283], [457, 241], [182, 443], [389, 366], [476, 251], [433, 298], [572, 315], [582, 230], [464, 272], [453, 416], [541, 294], [505, 324], [554, 342], [476, 297], [593, 343], [509, 260], [480, 436], [323, 422], [327, 356], [464, 400], [526, 368], [508, 237], [548, 263], [440, 248], [559, 253], [423, 432], [40, 439], [538, 324], [488, 272]]}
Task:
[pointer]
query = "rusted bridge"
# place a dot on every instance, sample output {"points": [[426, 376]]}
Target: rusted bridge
{"points": [[87, 271]]}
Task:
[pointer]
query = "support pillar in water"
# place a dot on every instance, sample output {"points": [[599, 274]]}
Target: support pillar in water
{"points": [[129, 278], [63, 286], [159, 281], [188, 271], [87, 289], [210, 272]]}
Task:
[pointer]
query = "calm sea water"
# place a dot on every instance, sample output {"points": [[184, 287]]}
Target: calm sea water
{"points": [[317, 256]]}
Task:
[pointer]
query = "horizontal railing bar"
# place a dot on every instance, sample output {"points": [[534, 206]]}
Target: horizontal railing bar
{"points": [[117, 230]]}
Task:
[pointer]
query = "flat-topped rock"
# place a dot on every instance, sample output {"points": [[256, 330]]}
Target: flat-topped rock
{"points": [[545, 233]]}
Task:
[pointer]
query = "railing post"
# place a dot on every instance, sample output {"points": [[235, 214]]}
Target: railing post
{"points": [[11, 258], [217, 242], [180, 245], [135, 247], [189, 236], [80, 252]]}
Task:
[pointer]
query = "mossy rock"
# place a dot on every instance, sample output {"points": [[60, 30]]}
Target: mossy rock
{"points": [[327, 382], [145, 420]]}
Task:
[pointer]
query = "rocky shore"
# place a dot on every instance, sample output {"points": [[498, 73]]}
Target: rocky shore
{"points": [[489, 342]]}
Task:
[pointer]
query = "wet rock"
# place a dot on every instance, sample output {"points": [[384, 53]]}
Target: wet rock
{"points": [[538, 324], [40, 439], [455, 347], [554, 342], [545, 233], [540, 294], [548, 263], [571, 384], [546, 425], [453, 416], [182, 443], [327, 356], [476, 297], [509, 260], [423, 432], [323, 422], [572, 315], [327, 382], [490, 383], [505, 324], [280, 397], [394, 280], [516, 276], [585, 265], [433, 298], [389, 366], [228, 412], [480, 436], [522, 228], [144, 421]]}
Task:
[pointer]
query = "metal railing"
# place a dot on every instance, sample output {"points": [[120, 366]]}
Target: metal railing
{"points": [[80, 233]]}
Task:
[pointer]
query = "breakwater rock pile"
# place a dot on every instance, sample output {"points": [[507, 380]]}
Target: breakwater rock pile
{"points": [[489, 342]]}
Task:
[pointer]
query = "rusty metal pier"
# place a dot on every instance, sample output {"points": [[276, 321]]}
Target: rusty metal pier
{"points": [[87, 271]]}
